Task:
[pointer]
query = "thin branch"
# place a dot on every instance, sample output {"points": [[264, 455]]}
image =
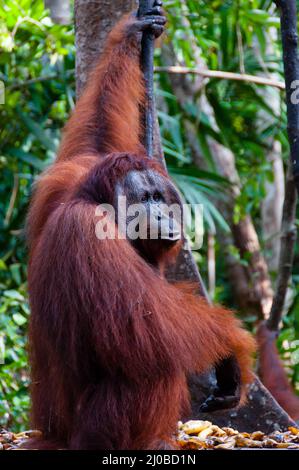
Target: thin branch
{"points": [[32, 81], [240, 48], [244, 77], [176, 69], [12, 200], [24, 20]]}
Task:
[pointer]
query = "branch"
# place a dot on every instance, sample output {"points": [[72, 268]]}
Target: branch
{"points": [[31, 81], [176, 69], [43, 78], [12, 200]]}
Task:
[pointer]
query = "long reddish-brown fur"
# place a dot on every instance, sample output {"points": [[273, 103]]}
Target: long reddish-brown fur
{"points": [[107, 117], [272, 372], [111, 341]]}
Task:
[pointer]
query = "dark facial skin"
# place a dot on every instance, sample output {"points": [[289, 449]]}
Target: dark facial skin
{"points": [[160, 230]]}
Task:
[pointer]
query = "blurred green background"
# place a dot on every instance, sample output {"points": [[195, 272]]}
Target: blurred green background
{"points": [[37, 61]]}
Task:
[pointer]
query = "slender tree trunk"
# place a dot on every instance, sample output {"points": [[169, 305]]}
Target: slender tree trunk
{"points": [[286, 258], [272, 207], [259, 294]]}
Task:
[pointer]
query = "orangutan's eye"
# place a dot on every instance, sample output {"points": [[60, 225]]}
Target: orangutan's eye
{"points": [[145, 197]]}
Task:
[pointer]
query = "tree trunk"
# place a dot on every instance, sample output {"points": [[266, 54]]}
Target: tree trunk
{"points": [[272, 207], [93, 21], [259, 295]]}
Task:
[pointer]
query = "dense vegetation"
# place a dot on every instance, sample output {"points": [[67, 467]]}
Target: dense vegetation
{"points": [[37, 67]]}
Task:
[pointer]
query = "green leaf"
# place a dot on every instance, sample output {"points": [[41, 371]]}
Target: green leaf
{"points": [[26, 157], [19, 319], [15, 270], [38, 132], [14, 295], [3, 265], [258, 16]]}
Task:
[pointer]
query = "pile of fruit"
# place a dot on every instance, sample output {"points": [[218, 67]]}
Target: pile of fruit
{"points": [[12, 441], [195, 435], [200, 435]]}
